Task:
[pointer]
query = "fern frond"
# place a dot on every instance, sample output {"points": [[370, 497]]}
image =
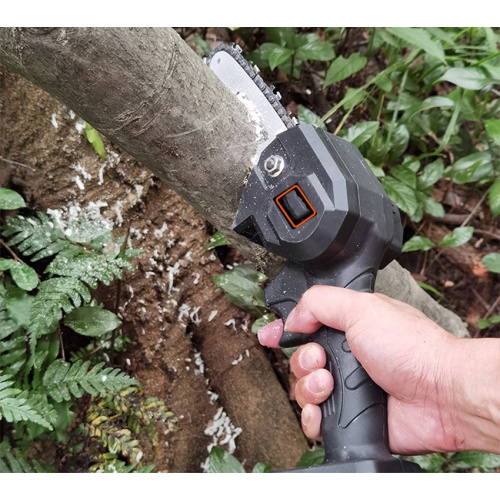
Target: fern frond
{"points": [[37, 237], [13, 353], [16, 406], [91, 268], [8, 325], [55, 296], [63, 381], [9, 463]]}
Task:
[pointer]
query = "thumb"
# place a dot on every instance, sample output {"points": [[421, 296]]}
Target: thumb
{"points": [[326, 305]]}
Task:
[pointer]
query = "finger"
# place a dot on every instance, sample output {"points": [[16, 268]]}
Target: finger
{"points": [[307, 358], [327, 305], [270, 334], [314, 388], [311, 422]]}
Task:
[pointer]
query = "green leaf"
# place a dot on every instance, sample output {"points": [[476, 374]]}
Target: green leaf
{"points": [[18, 305], [55, 296], [305, 115], [312, 457], [95, 139], [431, 174], [92, 321], [63, 381], [217, 240], [405, 174], [89, 267], [430, 288], [6, 264], [401, 194], [262, 321], [472, 78], [23, 275], [432, 207], [283, 36], [459, 236], [317, 51], [342, 68], [10, 200], [492, 127], [37, 237], [472, 168], [419, 38], [418, 243], [384, 84], [353, 97], [16, 406], [494, 198], [241, 286], [485, 323], [202, 44], [472, 459], [223, 462], [433, 462], [279, 55], [360, 133], [491, 262], [400, 139], [260, 468]]}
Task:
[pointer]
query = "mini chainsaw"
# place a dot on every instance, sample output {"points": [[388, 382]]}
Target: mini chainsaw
{"points": [[312, 198]]}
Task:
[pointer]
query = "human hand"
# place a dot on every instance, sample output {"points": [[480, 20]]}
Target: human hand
{"points": [[423, 368]]}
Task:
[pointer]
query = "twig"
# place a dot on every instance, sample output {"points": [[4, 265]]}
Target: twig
{"points": [[16, 163], [478, 297], [16, 258], [493, 307], [493, 236], [63, 356], [475, 209]]}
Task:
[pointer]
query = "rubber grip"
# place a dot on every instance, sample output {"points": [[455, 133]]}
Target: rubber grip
{"points": [[354, 417]]}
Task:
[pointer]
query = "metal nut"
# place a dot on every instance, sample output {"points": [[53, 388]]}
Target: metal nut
{"points": [[274, 165]]}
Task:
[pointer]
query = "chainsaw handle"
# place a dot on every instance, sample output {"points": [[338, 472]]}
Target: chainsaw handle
{"points": [[354, 417]]}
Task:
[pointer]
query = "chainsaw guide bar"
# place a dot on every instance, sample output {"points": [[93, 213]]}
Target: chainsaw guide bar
{"points": [[243, 80]]}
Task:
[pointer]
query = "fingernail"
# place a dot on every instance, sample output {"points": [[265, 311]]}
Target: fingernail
{"points": [[305, 416], [308, 360], [315, 385]]}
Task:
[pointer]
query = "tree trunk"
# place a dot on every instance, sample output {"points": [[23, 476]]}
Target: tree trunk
{"points": [[152, 96]]}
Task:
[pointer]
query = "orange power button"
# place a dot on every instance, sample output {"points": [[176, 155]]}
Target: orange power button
{"points": [[295, 206]]}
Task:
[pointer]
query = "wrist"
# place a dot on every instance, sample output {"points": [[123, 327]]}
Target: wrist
{"points": [[476, 399]]}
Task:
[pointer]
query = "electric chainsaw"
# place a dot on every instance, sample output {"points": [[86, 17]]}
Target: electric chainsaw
{"points": [[312, 199]]}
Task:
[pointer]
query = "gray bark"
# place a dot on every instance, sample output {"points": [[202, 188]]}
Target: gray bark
{"points": [[149, 93]]}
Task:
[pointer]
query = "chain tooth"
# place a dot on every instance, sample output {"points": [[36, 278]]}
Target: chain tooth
{"points": [[252, 71]]}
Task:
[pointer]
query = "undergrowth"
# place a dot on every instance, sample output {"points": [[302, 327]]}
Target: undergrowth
{"points": [[51, 268]]}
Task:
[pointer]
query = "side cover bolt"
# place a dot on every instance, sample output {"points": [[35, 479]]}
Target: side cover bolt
{"points": [[274, 165]]}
